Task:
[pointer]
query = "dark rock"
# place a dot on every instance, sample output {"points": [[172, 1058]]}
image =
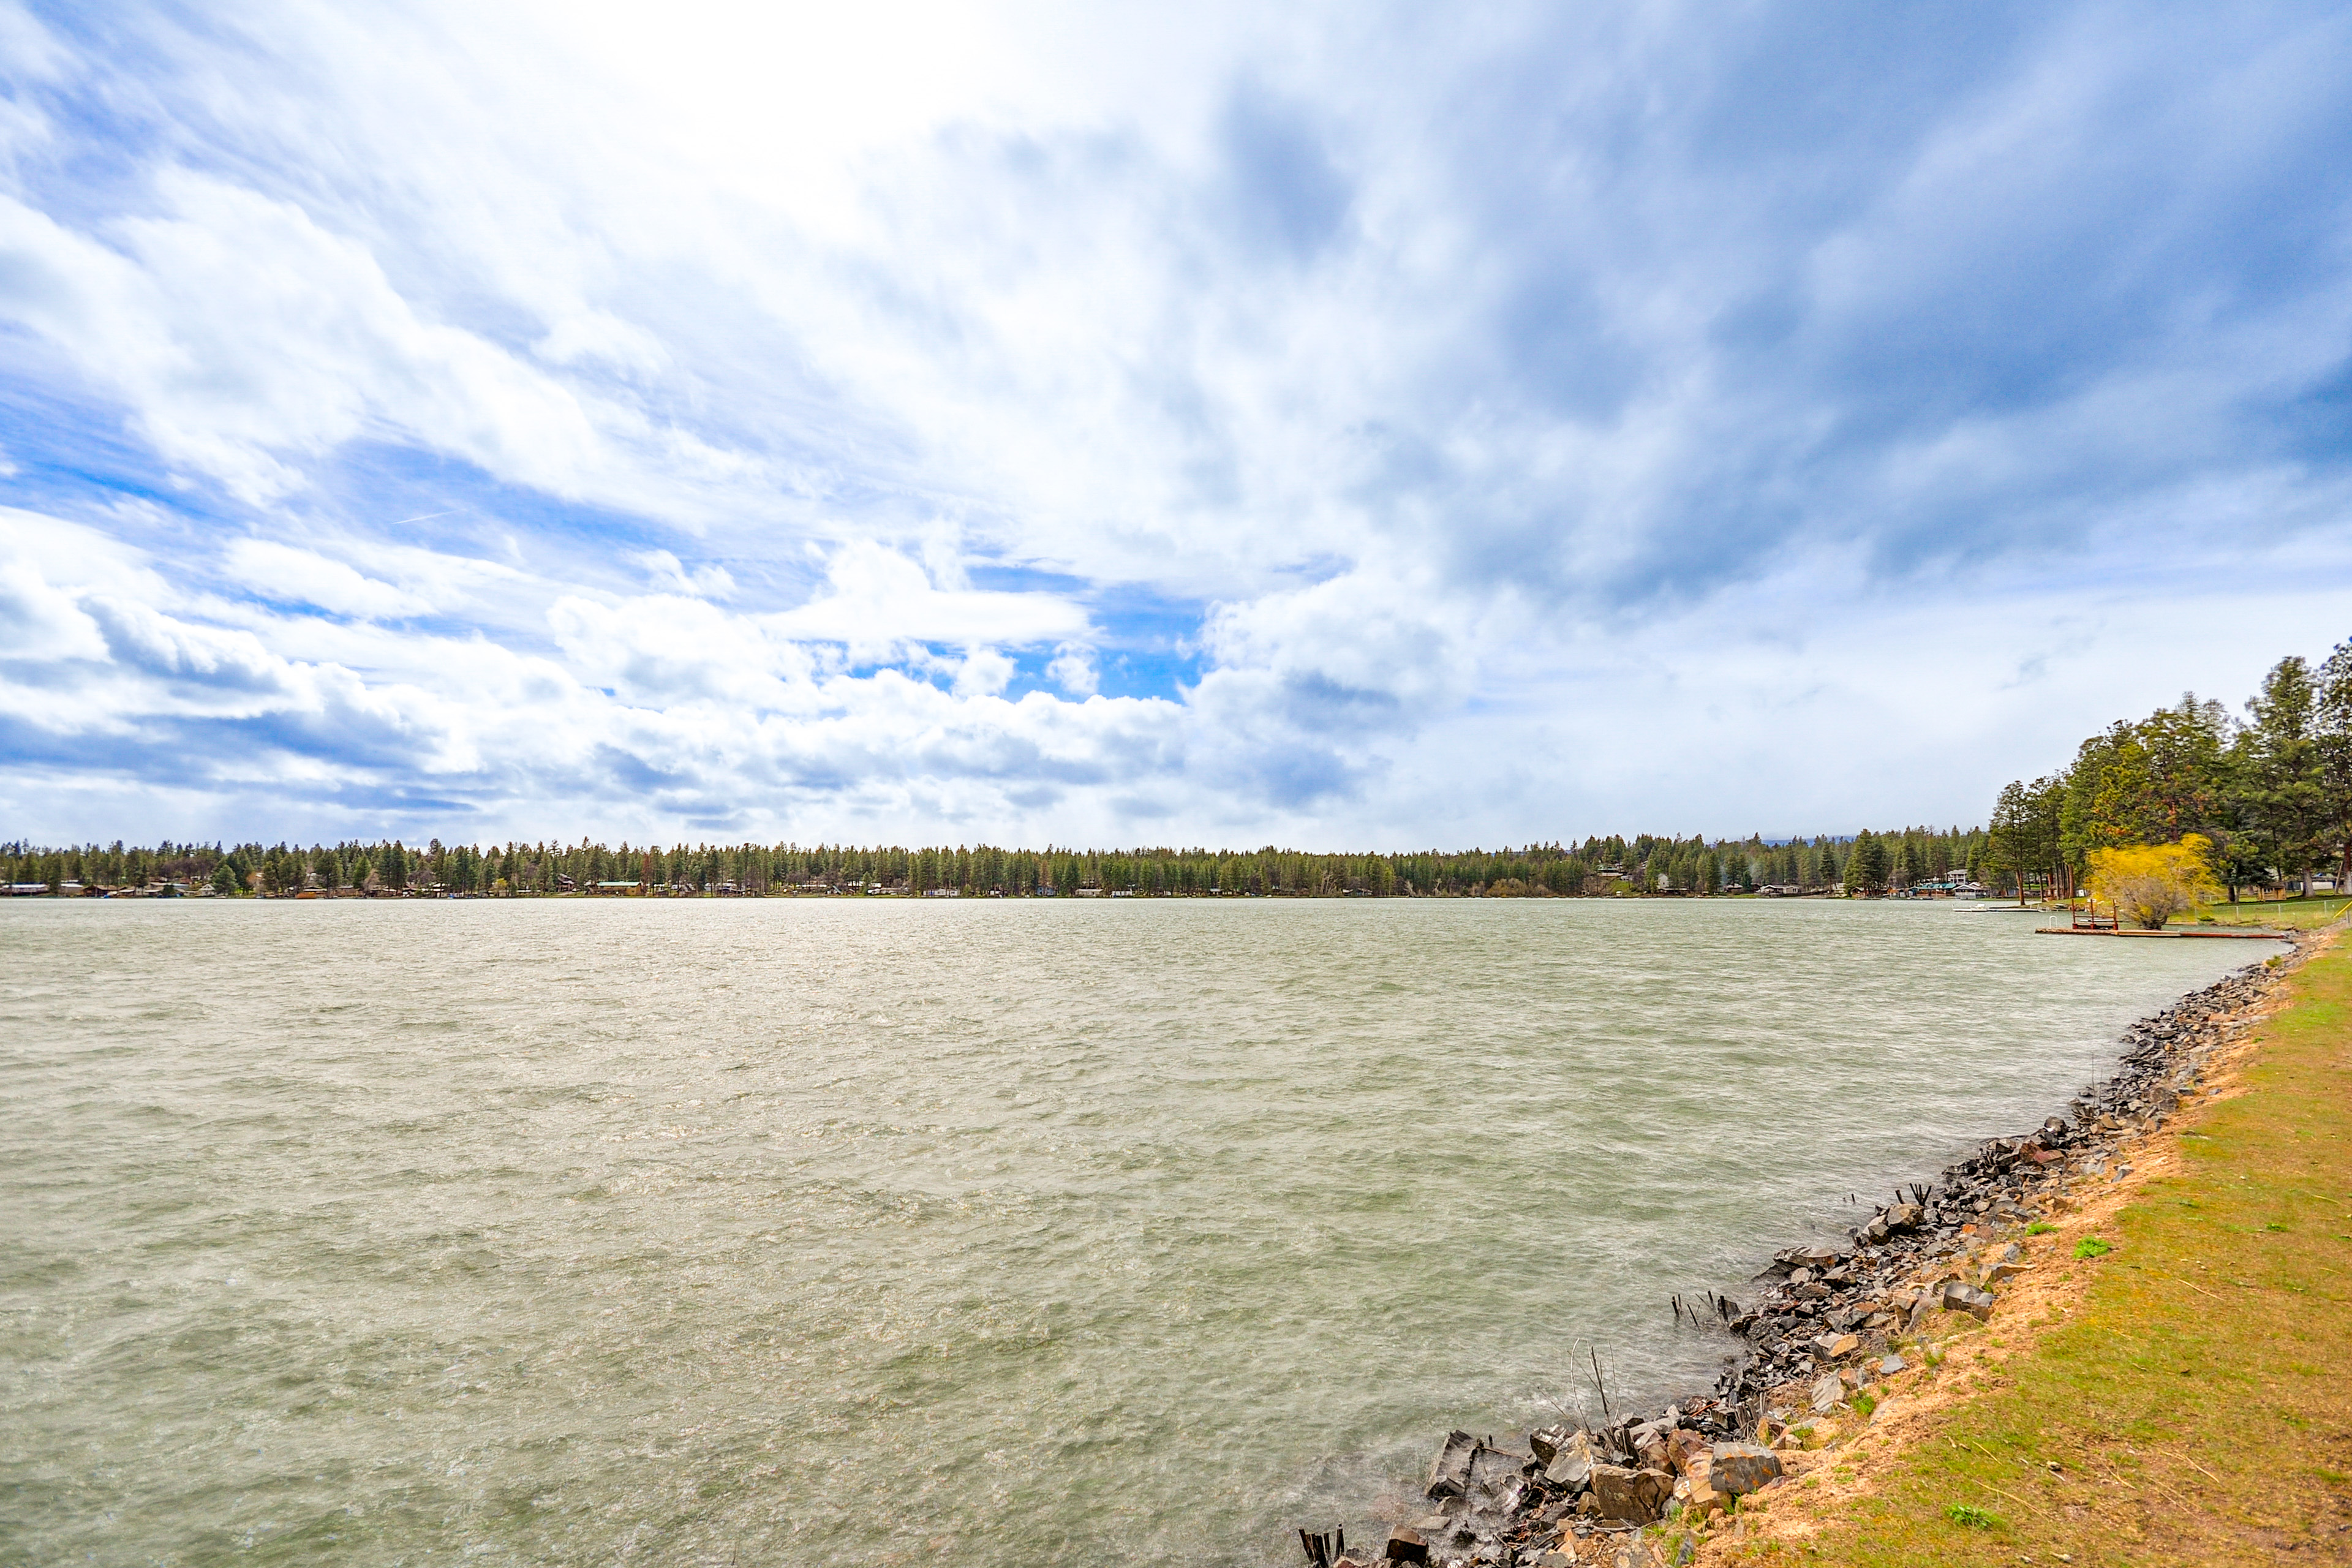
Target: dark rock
{"points": [[1406, 1545], [1958, 1296], [1738, 1469]]}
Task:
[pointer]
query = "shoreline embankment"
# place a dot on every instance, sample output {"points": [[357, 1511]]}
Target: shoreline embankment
{"points": [[1840, 1338]]}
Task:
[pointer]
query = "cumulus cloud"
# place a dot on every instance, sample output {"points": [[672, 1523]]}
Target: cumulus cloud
{"points": [[984, 672], [875, 600], [1072, 670]]}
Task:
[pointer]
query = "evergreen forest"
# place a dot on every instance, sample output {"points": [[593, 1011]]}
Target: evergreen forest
{"points": [[2270, 788]]}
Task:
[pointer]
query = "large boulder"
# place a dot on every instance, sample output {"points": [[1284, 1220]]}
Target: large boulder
{"points": [[1633, 1497], [1958, 1295], [1700, 1496], [1571, 1462], [1735, 1469]]}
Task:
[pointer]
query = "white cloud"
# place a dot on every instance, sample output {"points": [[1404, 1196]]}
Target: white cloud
{"points": [[288, 575], [1072, 670], [667, 572], [875, 600], [248, 338], [984, 672], [660, 650], [39, 621], [590, 336]]}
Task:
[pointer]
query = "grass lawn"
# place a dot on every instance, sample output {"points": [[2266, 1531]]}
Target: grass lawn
{"points": [[2299, 914], [2196, 1407]]}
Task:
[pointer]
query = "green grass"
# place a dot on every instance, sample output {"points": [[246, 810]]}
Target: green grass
{"points": [[2298, 914], [2195, 1408]]}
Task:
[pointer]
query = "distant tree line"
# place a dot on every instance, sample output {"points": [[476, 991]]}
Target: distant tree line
{"points": [[2270, 791], [1869, 862]]}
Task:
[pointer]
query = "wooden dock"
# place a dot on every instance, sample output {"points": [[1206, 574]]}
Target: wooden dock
{"points": [[2234, 932]]}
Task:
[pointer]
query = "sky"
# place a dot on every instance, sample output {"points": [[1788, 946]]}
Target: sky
{"points": [[1344, 427]]}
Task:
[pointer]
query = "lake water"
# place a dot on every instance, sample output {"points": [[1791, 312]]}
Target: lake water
{"points": [[881, 1231]]}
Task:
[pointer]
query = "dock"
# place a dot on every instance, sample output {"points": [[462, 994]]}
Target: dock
{"points": [[2229, 933]]}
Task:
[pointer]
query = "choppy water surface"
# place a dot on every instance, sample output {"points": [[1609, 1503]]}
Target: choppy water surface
{"points": [[868, 1232]]}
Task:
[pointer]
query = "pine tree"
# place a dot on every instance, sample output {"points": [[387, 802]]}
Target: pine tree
{"points": [[1866, 864], [2284, 782], [2332, 730]]}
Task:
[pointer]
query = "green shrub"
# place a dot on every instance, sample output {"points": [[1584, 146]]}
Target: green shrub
{"points": [[1974, 1518], [2092, 1246]]}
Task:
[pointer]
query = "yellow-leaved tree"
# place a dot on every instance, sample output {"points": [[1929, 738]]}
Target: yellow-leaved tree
{"points": [[2150, 883]]}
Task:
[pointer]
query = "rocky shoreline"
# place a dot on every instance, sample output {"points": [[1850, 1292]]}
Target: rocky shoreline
{"points": [[1821, 1333]]}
